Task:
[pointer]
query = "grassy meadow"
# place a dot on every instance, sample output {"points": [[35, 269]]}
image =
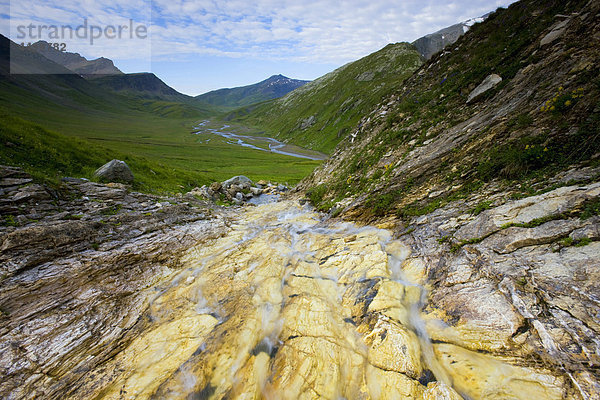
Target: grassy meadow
{"points": [[80, 130]]}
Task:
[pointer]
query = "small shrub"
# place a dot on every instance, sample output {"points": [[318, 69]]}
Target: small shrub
{"points": [[381, 204], [583, 242], [9, 220], [568, 241], [591, 208]]}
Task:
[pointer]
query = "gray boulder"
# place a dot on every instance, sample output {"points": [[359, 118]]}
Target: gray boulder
{"points": [[240, 180], [114, 171], [488, 83]]}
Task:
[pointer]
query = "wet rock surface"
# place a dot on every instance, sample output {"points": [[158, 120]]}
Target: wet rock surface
{"points": [[285, 305], [518, 281], [78, 265], [290, 306]]}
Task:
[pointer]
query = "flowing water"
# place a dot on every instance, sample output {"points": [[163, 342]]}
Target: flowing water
{"points": [[261, 143], [289, 306]]}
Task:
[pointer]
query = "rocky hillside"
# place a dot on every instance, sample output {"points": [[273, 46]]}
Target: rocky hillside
{"points": [[321, 113], [271, 88], [486, 164], [74, 61]]}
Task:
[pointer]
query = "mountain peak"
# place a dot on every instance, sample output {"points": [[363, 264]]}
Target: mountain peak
{"points": [[271, 88]]}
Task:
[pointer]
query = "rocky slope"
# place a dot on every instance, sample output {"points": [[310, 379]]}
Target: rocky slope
{"points": [[495, 196], [271, 88], [78, 265]]}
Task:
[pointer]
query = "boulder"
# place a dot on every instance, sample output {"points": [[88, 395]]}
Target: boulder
{"points": [[240, 180], [308, 122], [114, 171], [488, 83]]}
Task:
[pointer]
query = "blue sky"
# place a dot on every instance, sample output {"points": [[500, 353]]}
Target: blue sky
{"points": [[201, 45]]}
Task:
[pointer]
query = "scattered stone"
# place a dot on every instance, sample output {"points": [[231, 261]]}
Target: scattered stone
{"points": [[556, 32], [216, 186], [308, 122], [14, 181], [114, 171], [488, 83], [68, 179]]}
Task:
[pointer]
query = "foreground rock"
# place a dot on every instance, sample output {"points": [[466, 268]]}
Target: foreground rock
{"points": [[78, 268], [518, 281], [287, 307], [115, 171], [143, 297]]}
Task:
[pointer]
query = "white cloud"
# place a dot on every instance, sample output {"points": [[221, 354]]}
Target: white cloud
{"points": [[316, 31]]}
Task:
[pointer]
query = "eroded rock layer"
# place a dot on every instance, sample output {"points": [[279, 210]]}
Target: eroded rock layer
{"points": [[287, 306]]}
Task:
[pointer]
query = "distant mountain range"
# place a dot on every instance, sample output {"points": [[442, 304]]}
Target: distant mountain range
{"points": [[274, 87], [104, 73]]}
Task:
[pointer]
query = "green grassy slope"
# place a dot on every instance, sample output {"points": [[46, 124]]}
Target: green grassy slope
{"points": [[432, 147], [319, 114], [57, 125]]}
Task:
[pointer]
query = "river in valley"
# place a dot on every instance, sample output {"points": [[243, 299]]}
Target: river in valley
{"points": [[289, 305], [261, 143]]}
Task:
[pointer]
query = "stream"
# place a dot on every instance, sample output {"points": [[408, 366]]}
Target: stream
{"points": [[268, 144], [289, 305]]}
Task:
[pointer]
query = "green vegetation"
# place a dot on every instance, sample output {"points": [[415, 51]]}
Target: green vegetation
{"points": [[555, 129], [591, 208], [9, 220], [321, 113], [481, 207], [63, 125]]}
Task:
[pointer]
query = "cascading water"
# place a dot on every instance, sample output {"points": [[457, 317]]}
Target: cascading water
{"points": [[287, 306]]}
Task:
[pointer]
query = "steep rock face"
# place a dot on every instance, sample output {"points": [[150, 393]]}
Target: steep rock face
{"points": [[431, 44], [424, 144]]}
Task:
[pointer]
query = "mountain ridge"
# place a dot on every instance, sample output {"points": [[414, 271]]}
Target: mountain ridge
{"points": [[271, 88], [74, 61]]}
